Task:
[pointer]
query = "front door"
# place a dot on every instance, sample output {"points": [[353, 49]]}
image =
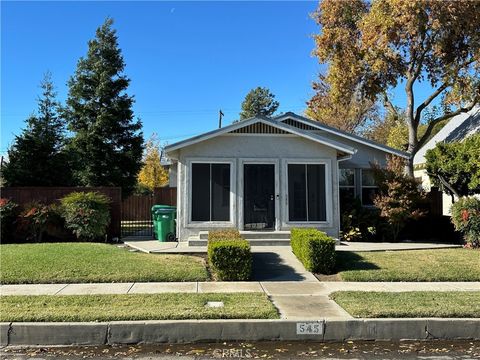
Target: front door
{"points": [[259, 196]]}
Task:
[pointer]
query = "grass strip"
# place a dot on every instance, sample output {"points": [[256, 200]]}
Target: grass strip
{"points": [[452, 304], [171, 306]]}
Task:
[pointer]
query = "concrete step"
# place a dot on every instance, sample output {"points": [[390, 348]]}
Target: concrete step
{"points": [[251, 235], [196, 241]]}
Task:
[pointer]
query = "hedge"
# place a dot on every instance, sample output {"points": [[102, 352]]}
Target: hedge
{"points": [[315, 249], [230, 259], [230, 234]]}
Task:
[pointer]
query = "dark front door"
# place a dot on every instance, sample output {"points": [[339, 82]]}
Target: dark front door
{"points": [[259, 196]]}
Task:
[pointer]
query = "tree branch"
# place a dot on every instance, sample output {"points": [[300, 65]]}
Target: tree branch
{"points": [[448, 187], [428, 100], [432, 123], [388, 104]]}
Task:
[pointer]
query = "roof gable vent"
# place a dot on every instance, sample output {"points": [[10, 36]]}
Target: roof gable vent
{"points": [[258, 128]]}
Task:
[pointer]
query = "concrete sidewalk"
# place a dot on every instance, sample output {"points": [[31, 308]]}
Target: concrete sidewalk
{"points": [[294, 299], [155, 246]]}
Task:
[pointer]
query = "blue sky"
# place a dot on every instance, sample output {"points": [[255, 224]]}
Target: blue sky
{"points": [[186, 60]]}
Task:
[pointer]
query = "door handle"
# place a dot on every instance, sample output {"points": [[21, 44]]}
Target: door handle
{"points": [[271, 197]]}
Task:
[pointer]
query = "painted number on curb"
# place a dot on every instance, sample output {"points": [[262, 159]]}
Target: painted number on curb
{"points": [[310, 328]]}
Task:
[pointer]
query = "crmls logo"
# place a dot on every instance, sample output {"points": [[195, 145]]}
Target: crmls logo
{"points": [[232, 353]]}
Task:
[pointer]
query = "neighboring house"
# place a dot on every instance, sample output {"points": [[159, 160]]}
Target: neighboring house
{"points": [[457, 129], [271, 174]]}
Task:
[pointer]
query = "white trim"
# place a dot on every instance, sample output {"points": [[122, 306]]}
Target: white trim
{"points": [[340, 133], [187, 218], [328, 192], [277, 124], [241, 185]]}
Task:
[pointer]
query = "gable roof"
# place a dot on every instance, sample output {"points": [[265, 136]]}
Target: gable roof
{"points": [[457, 129], [319, 126], [269, 122]]}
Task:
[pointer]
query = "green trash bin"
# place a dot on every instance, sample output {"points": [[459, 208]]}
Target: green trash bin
{"points": [[155, 217], [164, 223]]}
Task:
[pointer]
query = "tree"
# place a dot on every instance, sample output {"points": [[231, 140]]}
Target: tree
{"points": [[455, 167], [152, 174], [107, 140], [381, 45], [382, 129], [38, 156], [349, 112], [259, 101]]}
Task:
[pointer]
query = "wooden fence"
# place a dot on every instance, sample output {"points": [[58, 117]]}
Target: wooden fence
{"points": [[138, 207], [435, 202], [48, 195]]}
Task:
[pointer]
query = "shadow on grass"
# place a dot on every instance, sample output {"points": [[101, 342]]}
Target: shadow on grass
{"points": [[347, 260]]}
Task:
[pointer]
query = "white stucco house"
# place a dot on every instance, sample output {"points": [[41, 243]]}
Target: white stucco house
{"points": [[271, 174], [458, 128]]}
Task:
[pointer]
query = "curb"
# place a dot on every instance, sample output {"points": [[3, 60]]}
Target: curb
{"points": [[183, 331]]}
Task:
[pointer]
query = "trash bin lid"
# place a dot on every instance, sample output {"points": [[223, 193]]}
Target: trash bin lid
{"points": [[164, 211], [158, 206]]}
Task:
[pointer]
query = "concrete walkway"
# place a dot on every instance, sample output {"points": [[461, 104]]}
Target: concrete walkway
{"points": [[295, 300], [154, 246]]}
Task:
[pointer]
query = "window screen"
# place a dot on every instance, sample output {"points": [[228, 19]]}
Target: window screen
{"points": [[220, 192], [306, 192], [200, 192], [297, 192], [210, 192]]}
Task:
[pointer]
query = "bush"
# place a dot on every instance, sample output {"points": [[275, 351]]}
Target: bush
{"points": [[34, 220], [359, 223], [230, 234], [315, 249], [466, 219], [8, 214], [230, 259], [86, 214], [399, 197]]}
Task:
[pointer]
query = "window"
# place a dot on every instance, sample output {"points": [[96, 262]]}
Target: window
{"points": [[347, 186], [210, 192], [369, 187], [306, 192]]}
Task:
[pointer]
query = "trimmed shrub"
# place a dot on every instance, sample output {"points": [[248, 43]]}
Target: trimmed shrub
{"points": [[466, 219], [230, 259], [86, 214], [315, 249], [230, 234], [8, 214]]}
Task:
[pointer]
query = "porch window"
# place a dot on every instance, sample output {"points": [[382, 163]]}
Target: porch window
{"points": [[369, 187], [306, 192], [210, 192]]}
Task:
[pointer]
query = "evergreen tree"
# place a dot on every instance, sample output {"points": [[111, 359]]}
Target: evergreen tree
{"points": [[38, 156], [259, 101], [107, 141]]}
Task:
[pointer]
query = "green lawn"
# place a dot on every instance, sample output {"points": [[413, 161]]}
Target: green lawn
{"points": [[409, 304], [135, 307], [411, 265], [93, 262]]}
